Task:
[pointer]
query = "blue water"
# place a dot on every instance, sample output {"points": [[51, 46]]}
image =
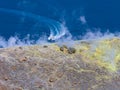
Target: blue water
{"points": [[103, 14]]}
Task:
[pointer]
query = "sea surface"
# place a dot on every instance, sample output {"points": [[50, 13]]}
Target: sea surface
{"points": [[55, 19]]}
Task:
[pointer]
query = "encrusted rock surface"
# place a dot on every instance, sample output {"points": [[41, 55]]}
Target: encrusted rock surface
{"points": [[93, 66]]}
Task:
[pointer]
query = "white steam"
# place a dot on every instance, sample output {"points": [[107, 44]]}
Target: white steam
{"points": [[99, 35], [83, 19], [58, 32], [15, 41]]}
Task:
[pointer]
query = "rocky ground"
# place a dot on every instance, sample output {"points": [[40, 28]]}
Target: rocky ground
{"points": [[86, 65]]}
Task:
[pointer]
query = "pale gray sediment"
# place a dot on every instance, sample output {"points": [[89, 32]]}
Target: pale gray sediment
{"points": [[51, 68]]}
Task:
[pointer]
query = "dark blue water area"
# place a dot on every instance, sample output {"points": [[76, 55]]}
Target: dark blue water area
{"points": [[104, 14], [15, 25]]}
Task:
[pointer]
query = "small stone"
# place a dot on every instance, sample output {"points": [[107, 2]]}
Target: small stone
{"points": [[6, 78], [71, 50], [63, 48], [52, 79], [23, 59], [45, 46], [20, 47]]}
